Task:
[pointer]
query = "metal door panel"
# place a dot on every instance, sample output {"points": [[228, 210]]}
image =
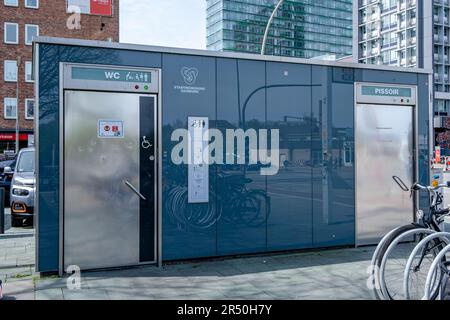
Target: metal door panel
{"points": [[384, 137], [101, 213]]}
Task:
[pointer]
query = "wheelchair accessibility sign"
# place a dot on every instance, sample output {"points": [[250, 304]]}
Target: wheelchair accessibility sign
{"points": [[110, 129]]}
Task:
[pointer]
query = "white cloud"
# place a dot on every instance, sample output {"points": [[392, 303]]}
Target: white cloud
{"points": [[172, 23]]}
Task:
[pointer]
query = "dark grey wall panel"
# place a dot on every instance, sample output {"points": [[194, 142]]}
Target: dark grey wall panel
{"points": [[333, 155], [183, 235], [242, 192], [290, 191], [366, 75]]}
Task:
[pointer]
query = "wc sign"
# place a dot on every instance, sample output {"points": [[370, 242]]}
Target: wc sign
{"points": [[107, 74]]}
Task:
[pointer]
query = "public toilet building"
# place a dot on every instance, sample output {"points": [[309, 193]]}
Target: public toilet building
{"points": [[149, 154]]}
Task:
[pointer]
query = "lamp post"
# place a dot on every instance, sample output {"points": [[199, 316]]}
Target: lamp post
{"points": [[266, 33], [19, 62]]}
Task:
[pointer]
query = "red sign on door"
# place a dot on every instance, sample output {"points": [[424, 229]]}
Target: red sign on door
{"points": [[101, 7]]}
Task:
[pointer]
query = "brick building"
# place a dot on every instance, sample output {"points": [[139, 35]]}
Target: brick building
{"points": [[20, 20]]}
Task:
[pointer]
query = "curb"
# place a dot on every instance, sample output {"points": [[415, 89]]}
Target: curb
{"points": [[17, 235], [16, 266]]}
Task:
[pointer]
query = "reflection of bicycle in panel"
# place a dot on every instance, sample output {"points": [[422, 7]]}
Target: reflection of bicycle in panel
{"points": [[240, 205], [236, 204]]}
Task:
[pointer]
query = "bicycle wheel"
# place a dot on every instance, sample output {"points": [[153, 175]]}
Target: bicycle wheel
{"points": [[419, 263], [394, 261], [253, 207], [374, 280], [436, 268]]}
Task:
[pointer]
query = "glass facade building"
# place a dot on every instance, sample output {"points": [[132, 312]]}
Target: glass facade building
{"points": [[409, 33], [301, 28], [388, 32]]}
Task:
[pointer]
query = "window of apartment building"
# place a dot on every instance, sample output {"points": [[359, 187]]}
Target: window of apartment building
{"points": [[10, 108], [11, 3], [33, 4], [29, 109], [29, 71], [11, 33], [10, 71], [31, 31]]}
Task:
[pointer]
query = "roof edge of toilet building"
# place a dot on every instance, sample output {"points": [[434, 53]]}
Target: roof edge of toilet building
{"points": [[209, 53]]}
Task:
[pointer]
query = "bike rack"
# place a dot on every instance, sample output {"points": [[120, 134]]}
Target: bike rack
{"points": [[375, 271], [432, 236], [430, 272], [390, 248]]}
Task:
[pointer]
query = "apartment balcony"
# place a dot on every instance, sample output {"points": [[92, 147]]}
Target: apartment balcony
{"points": [[412, 41], [412, 22], [437, 57]]}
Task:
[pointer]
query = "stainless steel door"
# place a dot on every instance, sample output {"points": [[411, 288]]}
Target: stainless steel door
{"points": [[101, 210], [384, 148]]}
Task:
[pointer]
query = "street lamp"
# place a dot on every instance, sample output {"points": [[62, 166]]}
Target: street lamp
{"points": [[266, 33], [19, 62]]}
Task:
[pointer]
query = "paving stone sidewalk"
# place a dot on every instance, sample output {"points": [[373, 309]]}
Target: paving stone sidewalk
{"points": [[331, 274]]}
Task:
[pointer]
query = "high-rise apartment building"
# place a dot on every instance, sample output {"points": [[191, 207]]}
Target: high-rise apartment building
{"points": [[20, 21], [409, 33], [301, 28]]}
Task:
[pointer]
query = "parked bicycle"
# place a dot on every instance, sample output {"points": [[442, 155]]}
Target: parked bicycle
{"points": [[392, 262]]}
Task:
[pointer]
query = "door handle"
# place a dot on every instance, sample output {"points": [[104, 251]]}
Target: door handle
{"points": [[135, 190]]}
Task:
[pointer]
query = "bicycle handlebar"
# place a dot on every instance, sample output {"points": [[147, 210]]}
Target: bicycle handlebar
{"points": [[418, 186], [443, 212]]}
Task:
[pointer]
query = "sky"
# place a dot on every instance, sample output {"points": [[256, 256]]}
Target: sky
{"points": [[170, 23]]}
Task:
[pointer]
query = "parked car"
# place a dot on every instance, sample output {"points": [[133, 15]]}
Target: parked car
{"points": [[23, 188], [6, 177]]}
